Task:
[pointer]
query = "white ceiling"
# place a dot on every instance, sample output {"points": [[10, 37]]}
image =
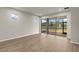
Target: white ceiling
{"points": [[41, 11]]}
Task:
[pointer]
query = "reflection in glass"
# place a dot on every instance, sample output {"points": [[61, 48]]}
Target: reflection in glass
{"points": [[44, 26]]}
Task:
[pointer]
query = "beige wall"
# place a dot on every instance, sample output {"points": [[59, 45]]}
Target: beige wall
{"points": [[75, 24], [25, 24]]}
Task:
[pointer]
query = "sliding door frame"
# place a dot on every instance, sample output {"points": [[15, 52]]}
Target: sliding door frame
{"points": [[47, 26]]}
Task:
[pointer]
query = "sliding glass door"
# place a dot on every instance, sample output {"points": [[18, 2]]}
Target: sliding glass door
{"points": [[54, 26], [57, 26]]}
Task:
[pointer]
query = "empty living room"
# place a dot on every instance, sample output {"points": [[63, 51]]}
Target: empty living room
{"points": [[39, 29]]}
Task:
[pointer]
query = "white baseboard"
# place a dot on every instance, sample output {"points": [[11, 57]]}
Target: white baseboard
{"points": [[17, 37], [74, 42]]}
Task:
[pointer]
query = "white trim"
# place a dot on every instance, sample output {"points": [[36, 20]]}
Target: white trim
{"points": [[74, 42], [17, 37]]}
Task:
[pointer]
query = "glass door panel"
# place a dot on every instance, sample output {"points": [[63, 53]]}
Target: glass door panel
{"points": [[65, 26], [52, 26], [44, 26], [59, 26]]}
